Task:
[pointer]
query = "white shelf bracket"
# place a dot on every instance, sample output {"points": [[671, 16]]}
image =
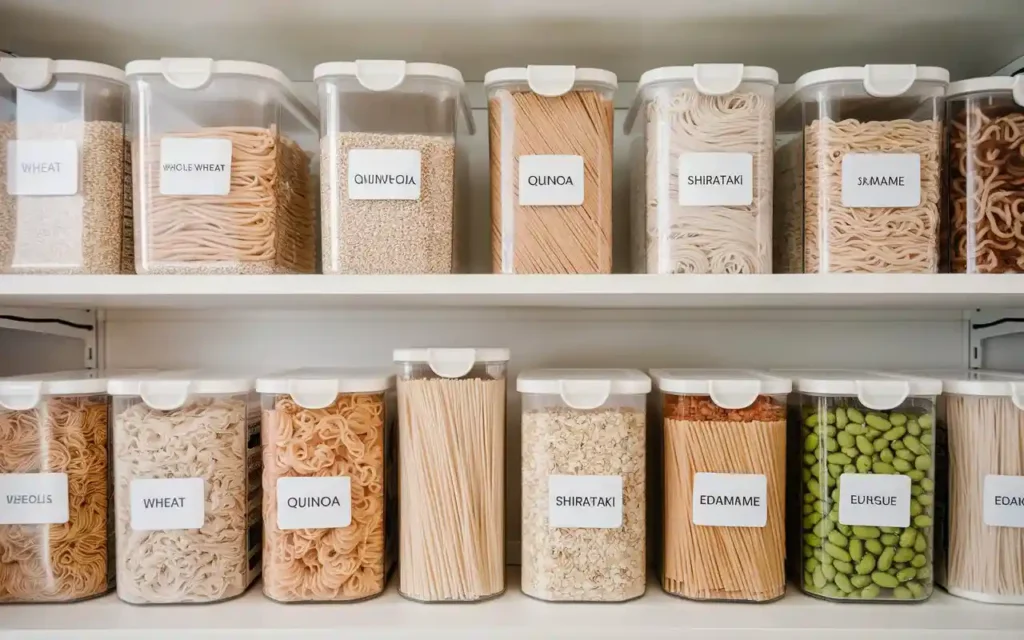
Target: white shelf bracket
{"points": [[83, 324], [984, 324]]}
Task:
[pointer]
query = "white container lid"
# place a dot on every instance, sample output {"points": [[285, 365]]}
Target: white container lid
{"points": [[21, 393], [33, 74], [875, 390], [880, 80], [1012, 84], [551, 80], [452, 362], [727, 388], [584, 388], [168, 390], [318, 388], [980, 382]]}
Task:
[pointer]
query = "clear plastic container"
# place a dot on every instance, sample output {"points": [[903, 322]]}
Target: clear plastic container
{"points": [[225, 180], [584, 484], [187, 486], [859, 171], [63, 166], [724, 484], [394, 124], [451, 440], [980, 485], [551, 131], [56, 543], [985, 129], [325, 442], [865, 510], [709, 136]]}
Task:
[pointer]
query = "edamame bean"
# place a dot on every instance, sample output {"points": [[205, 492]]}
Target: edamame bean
{"points": [[926, 499], [916, 476], [831, 445], [897, 419], [924, 574], [838, 539], [907, 574], [923, 520], [856, 549], [876, 421], [866, 532], [811, 420], [905, 454], [856, 429], [819, 578], [834, 469], [880, 444], [812, 539], [851, 452], [883, 468], [907, 539], [928, 484], [889, 539], [849, 469], [913, 428], [897, 445], [855, 415], [870, 592], [885, 560], [863, 463], [923, 463], [866, 565], [874, 546], [921, 544], [842, 567], [886, 455], [830, 417], [918, 561], [894, 434], [926, 439], [864, 445], [841, 418], [844, 583], [831, 591], [809, 459], [845, 439], [860, 581], [808, 551], [903, 555], [883, 579], [828, 571], [925, 420], [837, 553], [901, 465], [915, 588], [902, 593]]}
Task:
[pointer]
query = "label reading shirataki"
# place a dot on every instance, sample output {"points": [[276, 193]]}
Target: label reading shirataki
{"points": [[881, 180], [33, 498], [384, 174], [716, 179], [585, 502], [550, 180], [874, 500], [730, 500], [42, 167], [314, 503], [195, 166], [1004, 501], [164, 504]]}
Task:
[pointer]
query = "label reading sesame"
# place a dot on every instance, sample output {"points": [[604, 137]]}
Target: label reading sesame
{"points": [[585, 502], [1004, 501], [314, 503], [881, 180], [874, 500], [163, 504], [195, 166], [550, 180], [716, 179], [384, 174], [42, 167], [33, 498], [730, 500]]}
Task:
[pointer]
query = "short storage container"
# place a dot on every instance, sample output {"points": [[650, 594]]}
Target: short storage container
{"points": [[584, 484], [451, 452], [859, 175], [985, 125], [55, 542], [224, 181], [186, 486], [551, 131], [867, 488], [981, 486], [724, 484], [709, 137], [387, 148], [325, 439], [63, 166]]}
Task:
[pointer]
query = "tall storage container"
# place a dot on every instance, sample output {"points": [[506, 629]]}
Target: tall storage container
{"points": [[387, 148], [451, 440], [325, 484], [985, 126], [55, 543], [981, 486], [708, 136], [186, 486], [584, 484], [724, 484], [63, 166], [859, 171], [551, 131], [223, 176], [867, 492]]}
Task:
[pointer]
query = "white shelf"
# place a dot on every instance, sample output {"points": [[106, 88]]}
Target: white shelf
{"points": [[513, 616], [838, 291]]}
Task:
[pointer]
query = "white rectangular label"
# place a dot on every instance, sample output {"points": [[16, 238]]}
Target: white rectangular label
{"points": [[1004, 501], [384, 174], [874, 500], [550, 180], [585, 502], [881, 180], [42, 167], [195, 166], [730, 500], [314, 503], [33, 498], [167, 503], [716, 179]]}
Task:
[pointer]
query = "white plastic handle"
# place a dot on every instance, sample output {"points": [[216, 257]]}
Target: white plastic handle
{"points": [[1018, 89], [882, 395], [889, 80], [1017, 394], [451, 363], [734, 394], [380, 75], [187, 73], [550, 80], [21, 396], [313, 394], [585, 394], [164, 395], [30, 74], [717, 79]]}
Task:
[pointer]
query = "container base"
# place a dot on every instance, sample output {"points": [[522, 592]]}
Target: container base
{"points": [[540, 599], [984, 597], [481, 599]]}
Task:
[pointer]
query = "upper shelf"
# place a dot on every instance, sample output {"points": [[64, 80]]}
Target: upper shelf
{"points": [[969, 38], [830, 291]]}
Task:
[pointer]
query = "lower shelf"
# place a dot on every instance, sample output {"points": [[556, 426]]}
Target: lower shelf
{"points": [[513, 616]]}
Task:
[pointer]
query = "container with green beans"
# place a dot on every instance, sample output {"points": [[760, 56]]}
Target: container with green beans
{"points": [[867, 485]]}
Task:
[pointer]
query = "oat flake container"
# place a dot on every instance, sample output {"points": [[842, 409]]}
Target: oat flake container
{"points": [[584, 483]]}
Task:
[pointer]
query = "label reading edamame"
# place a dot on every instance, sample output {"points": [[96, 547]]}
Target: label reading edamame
{"points": [[874, 500], [730, 500], [165, 504], [716, 179], [585, 502], [195, 166], [42, 167], [550, 180], [384, 174], [881, 180], [1004, 501], [33, 498], [314, 503]]}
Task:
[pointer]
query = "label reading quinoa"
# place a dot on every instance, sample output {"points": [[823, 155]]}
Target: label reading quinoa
{"points": [[716, 179], [585, 502], [1004, 501], [42, 167], [33, 498], [550, 180], [314, 503], [384, 174], [874, 500], [195, 166], [730, 500], [881, 180], [167, 503]]}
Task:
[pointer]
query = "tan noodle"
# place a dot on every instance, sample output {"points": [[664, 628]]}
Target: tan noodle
{"points": [[551, 239], [345, 438], [266, 223], [58, 562], [452, 467]]}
